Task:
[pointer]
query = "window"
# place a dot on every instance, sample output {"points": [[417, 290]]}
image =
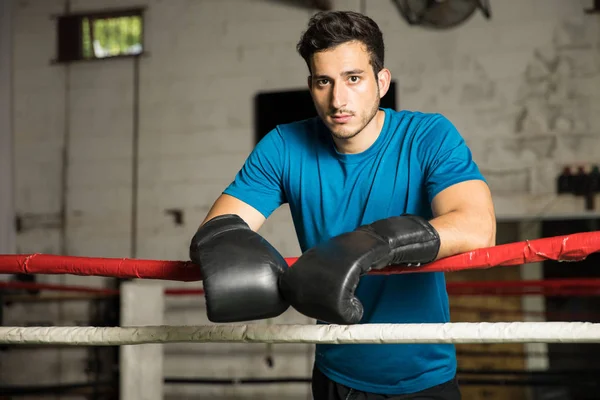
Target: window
{"points": [[102, 35]]}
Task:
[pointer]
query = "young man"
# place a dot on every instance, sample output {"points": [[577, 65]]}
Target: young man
{"points": [[367, 188]]}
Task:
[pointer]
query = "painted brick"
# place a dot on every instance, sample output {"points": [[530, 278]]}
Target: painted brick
{"points": [[97, 202], [91, 173], [192, 169], [39, 241], [102, 148], [196, 142], [575, 149], [543, 177], [168, 245], [160, 196], [113, 74], [507, 180], [37, 188], [39, 114], [92, 5], [100, 243]]}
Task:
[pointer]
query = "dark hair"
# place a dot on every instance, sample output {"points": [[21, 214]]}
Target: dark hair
{"points": [[329, 29]]}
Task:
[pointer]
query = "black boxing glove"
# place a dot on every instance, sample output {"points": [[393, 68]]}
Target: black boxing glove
{"points": [[240, 271], [322, 282]]}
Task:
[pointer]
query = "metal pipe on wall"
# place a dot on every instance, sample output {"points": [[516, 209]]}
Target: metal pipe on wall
{"points": [[7, 206], [64, 184], [64, 249], [135, 156]]}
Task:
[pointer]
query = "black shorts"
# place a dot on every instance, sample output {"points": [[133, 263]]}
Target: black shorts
{"points": [[325, 389]]}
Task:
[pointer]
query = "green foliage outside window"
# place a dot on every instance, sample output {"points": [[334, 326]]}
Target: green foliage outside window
{"points": [[109, 37]]}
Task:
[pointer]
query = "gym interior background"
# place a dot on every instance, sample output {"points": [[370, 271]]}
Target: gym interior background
{"points": [[122, 121]]}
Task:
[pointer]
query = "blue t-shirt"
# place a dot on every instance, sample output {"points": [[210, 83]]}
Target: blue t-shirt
{"points": [[416, 156]]}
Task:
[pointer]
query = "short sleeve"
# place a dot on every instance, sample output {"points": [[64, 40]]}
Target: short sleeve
{"points": [[259, 182], [445, 157]]}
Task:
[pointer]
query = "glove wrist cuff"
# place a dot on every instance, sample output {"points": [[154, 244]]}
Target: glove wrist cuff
{"points": [[217, 226], [411, 239]]}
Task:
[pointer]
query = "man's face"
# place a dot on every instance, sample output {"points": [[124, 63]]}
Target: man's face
{"points": [[344, 88]]}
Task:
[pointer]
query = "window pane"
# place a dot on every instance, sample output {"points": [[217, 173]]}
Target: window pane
{"points": [[86, 39], [117, 36]]}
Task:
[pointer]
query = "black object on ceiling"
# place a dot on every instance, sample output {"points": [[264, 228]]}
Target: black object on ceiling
{"points": [[440, 14]]}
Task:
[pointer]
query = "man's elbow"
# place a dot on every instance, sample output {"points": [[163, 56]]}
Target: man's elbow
{"points": [[487, 235], [482, 232], [490, 239]]}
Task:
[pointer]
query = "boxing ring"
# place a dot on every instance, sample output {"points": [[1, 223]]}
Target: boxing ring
{"points": [[567, 249]]}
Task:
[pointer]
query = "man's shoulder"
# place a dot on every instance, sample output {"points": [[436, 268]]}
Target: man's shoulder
{"points": [[305, 126], [300, 132], [418, 125], [411, 117]]}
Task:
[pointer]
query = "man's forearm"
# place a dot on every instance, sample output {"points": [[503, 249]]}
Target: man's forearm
{"points": [[462, 231]]}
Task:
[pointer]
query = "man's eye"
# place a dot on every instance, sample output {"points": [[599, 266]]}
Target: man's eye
{"points": [[323, 82], [354, 79]]}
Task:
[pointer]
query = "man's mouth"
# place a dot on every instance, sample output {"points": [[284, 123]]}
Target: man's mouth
{"points": [[341, 118]]}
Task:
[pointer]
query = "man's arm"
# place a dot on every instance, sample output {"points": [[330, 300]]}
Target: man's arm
{"points": [[464, 218], [226, 204]]}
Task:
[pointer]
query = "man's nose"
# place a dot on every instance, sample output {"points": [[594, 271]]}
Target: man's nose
{"points": [[339, 96]]}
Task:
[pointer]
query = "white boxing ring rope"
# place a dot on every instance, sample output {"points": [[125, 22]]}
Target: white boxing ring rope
{"points": [[460, 332]]}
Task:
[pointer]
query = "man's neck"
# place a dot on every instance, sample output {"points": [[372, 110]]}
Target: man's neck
{"points": [[364, 139]]}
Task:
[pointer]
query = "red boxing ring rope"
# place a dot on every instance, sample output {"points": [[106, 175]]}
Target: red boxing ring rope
{"points": [[575, 247]]}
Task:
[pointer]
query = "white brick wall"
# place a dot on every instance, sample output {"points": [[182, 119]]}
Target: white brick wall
{"points": [[523, 88]]}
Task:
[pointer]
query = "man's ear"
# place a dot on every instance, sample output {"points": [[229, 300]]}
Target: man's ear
{"points": [[384, 79]]}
